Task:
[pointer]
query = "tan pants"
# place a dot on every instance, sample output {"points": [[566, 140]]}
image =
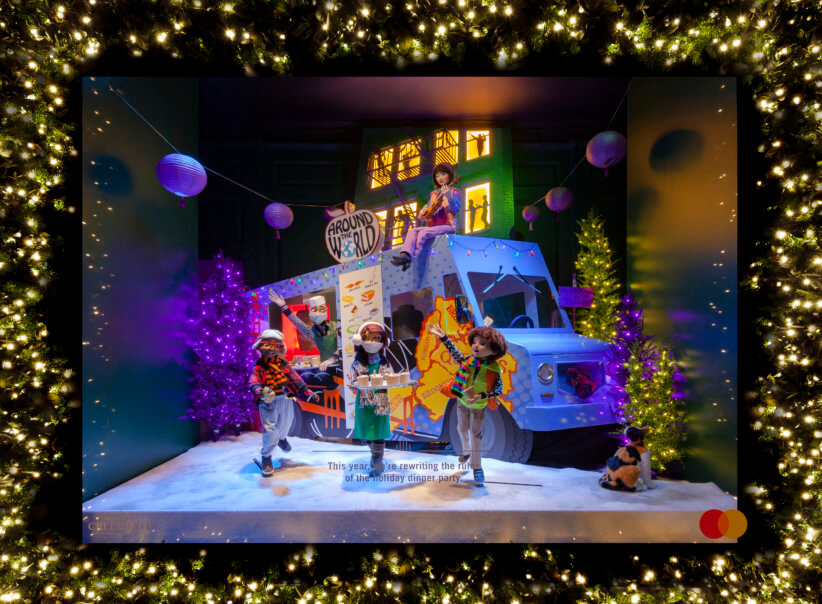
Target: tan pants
{"points": [[469, 426]]}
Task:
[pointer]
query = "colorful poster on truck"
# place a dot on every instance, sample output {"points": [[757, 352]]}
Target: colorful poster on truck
{"points": [[360, 302]]}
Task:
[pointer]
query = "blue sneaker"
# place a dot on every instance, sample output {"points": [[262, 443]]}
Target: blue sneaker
{"points": [[479, 477], [377, 467]]}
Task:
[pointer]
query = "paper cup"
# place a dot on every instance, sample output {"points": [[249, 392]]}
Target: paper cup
{"points": [[362, 380], [392, 380], [377, 380], [405, 377]]}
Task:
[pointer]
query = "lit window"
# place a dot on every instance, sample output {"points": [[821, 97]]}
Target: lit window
{"points": [[381, 215], [477, 143], [395, 238], [477, 208], [379, 167], [409, 160], [446, 147], [403, 213]]}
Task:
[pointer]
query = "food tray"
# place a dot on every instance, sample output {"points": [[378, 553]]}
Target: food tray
{"points": [[356, 386]]}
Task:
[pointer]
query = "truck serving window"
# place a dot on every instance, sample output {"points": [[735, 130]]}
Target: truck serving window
{"points": [[514, 300], [408, 312]]}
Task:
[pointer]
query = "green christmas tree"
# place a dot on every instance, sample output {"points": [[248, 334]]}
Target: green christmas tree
{"points": [[652, 401], [594, 270]]}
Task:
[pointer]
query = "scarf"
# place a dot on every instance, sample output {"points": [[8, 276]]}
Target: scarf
{"points": [[466, 372], [275, 372]]}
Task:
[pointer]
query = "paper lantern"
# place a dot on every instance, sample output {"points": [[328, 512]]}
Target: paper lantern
{"points": [[181, 175], [530, 213], [606, 149], [558, 199], [278, 216]]}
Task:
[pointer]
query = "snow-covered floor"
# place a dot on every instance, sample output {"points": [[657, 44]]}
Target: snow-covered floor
{"points": [[320, 492]]}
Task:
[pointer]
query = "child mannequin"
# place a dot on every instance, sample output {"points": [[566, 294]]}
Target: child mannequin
{"points": [[271, 378], [477, 381], [371, 410]]}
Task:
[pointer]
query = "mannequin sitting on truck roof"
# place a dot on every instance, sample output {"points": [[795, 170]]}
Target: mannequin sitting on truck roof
{"points": [[440, 213]]}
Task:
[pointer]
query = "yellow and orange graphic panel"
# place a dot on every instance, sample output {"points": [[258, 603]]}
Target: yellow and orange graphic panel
{"points": [[438, 368]]}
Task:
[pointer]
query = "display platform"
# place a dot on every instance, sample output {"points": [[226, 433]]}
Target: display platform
{"points": [[320, 492]]}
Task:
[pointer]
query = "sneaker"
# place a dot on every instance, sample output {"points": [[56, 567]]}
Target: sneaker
{"points": [[377, 467], [268, 467], [479, 477], [284, 445], [463, 458], [402, 259]]}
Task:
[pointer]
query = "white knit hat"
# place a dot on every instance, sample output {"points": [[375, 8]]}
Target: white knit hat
{"points": [[357, 339], [269, 334], [316, 301]]}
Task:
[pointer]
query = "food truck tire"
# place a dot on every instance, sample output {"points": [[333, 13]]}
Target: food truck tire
{"points": [[501, 437]]}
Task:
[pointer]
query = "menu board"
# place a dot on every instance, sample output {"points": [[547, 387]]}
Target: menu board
{"points": [[360, 302]]}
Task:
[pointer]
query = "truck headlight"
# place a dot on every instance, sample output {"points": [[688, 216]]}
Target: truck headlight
{"points": [[545, 373]]}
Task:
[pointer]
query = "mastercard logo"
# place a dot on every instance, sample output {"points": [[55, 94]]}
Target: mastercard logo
{"points": [[731, 524]]}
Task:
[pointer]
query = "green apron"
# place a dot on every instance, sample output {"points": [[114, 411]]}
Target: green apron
{"points": [[367, 424]]}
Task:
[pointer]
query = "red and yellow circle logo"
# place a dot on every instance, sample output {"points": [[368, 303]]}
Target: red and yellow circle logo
{"points": [[730, 524]]}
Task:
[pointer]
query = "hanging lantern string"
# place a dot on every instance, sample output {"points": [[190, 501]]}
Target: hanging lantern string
{"points": [[622, 100], [495, 242], [140, 115], [574, 169]]}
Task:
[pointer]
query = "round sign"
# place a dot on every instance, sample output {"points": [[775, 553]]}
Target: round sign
{"points": [[353, 236]]}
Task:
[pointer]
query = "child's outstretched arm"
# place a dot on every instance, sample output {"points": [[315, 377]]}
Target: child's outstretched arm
{"points": [[298, 385], [449, 345]]}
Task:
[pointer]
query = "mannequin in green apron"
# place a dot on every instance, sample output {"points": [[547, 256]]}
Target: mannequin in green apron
{"points": [[371, 410], [323, 332]]}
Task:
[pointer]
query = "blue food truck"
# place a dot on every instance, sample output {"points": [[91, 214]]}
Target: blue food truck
{"points": [[554, 378]]}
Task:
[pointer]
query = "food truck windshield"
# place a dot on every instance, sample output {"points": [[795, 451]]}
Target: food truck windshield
{"points": [[516, 300]]}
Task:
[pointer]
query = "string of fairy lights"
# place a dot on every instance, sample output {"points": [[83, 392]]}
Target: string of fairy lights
{"points": [[772, 46]]}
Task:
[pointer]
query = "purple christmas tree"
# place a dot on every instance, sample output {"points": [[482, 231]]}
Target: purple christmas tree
{"points": [[630, 342], [645, 380], [222, 344]]}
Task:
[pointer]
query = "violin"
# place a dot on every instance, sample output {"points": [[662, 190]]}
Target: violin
{"points": [[434, 206]]}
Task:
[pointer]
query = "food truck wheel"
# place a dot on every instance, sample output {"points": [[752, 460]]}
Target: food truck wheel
{"points": [[501, 437]]}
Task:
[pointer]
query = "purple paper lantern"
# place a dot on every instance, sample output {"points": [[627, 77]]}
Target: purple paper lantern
{"points": [[558, 199], [181, 175], [278, 216], [530, 213], [606, 149]]}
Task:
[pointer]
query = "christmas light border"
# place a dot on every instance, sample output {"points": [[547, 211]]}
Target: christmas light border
{"points": [[770, 45]]}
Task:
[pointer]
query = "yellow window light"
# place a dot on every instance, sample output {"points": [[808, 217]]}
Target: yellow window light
{"points": [[477, 210], [446, 147], [477, 144], [408, 160], [379, 167]]}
